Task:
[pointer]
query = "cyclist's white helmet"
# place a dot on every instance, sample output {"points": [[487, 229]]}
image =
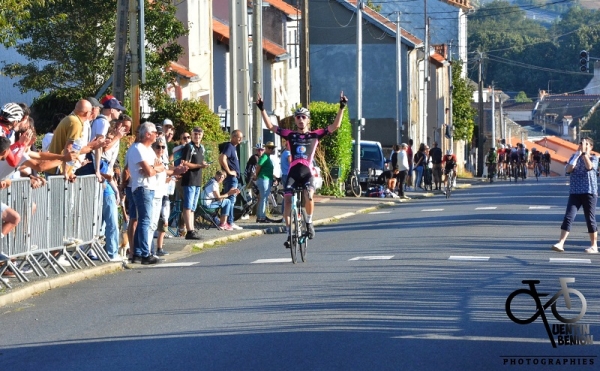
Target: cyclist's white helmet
{"points": [[11, 112], [449, 152], [302, 111], [547, 152]]}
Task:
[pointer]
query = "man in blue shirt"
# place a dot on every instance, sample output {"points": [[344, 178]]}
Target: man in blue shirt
{"points": [[230, 164]]}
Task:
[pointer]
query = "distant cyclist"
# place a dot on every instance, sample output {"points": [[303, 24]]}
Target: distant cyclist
{"points": [[302, 145], [546, 159], [449, 164], [536, 158], [491, 160]]}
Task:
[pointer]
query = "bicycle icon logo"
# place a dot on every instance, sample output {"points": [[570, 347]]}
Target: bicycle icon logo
{"points": [[565, 292]]}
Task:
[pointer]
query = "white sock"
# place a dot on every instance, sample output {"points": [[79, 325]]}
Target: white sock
{"points": [[309, 219]]}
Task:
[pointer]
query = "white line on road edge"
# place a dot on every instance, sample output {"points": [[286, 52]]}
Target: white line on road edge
{"points": [[486, 208], [432, 210], [375, 257], [278, 260], [570, 260], [469, 258], [380, 212], [170, 265], [539, 207]]}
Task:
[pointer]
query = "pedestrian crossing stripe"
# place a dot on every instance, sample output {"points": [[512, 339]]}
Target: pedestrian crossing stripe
{"points": [[570, 260], [469, 258], [268, 261], [380, 212], [486, 208], [539, 207], [425, 210], [374, 257]]}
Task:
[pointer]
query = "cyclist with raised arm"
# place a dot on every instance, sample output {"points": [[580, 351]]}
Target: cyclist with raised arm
{"points": [[302, 144], [449, 164]]}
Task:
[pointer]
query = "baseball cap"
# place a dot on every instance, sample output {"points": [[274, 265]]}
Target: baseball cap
{"points": [[258, 146], [159, 128], [106, 97], [94, 102], [167, 122], [114, 103]]}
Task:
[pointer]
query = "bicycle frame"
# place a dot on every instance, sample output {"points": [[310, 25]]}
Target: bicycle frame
{"points": [[532, 291]]}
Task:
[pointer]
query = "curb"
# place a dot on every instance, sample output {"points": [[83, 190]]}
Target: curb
{"points": [[53, 283]]}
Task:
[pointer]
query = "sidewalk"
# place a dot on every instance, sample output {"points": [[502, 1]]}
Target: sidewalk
{"points": [[327, 210]]}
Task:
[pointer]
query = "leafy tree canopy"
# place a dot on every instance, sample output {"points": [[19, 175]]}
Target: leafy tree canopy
{"points": [[462, 111], [522, 98], [70, 43], [523, 55]]}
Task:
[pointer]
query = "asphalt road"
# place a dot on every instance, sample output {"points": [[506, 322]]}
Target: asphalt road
{"points": [[419, 286]]}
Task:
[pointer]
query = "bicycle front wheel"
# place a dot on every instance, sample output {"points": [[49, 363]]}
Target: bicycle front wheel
{"points": [[303, 242], [579, 315], [355, 189], [294, 235]]}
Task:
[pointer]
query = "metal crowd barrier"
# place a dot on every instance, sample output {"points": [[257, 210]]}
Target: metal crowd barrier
{"points": [[61, 217]]}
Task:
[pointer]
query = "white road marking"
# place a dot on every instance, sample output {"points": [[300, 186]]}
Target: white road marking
{"points": [[266, 261], [375, 257], [380, 212], [487, 208], [570, 260], [170, 265], [469, 258], [432, 210], [539, 207]]}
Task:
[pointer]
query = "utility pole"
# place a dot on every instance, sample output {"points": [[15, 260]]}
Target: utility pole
{"points": [[503, 119], [257, 69], [304, 57], [359, 119], [135, 64], [493, 116], [398, 80], [238, 60], [480, 135], [426, 79], [450, 116], [120, 59]]}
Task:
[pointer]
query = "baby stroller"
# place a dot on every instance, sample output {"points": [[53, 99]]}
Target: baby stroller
{"points": [[428, 177]]}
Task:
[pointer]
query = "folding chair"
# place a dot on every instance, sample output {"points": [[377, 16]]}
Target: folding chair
{"points": [[207, 217]]}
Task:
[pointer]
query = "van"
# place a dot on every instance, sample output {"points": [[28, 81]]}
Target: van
{"points": [[371, 157]]}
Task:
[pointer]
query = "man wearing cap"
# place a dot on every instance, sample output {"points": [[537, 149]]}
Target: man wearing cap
{"points": [[111, 110], [263, 176], [143, 167], [96, 107], [192, 156], [250, 171], [169, 131]]}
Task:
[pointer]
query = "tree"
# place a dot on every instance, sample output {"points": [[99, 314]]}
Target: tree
{"points": [[522, 98], [463, 112], [70, 43]]}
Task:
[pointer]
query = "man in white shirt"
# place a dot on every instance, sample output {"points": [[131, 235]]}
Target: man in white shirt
{"points": [[143, 166]]}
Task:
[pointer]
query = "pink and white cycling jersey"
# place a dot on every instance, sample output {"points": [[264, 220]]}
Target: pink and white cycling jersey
{"points": [[302, 145]]}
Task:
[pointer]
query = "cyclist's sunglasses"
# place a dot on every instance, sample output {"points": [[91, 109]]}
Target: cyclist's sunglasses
{"points": [[303, 117]]}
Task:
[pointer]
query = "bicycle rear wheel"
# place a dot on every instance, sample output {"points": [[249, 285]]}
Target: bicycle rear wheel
{"points": [[294, 234]]}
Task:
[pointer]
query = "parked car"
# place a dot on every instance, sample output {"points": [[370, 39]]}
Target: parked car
{"points": [[371, 157]]}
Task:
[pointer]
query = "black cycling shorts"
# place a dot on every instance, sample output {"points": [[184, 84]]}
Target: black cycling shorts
{"points": [[299, 175]]}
